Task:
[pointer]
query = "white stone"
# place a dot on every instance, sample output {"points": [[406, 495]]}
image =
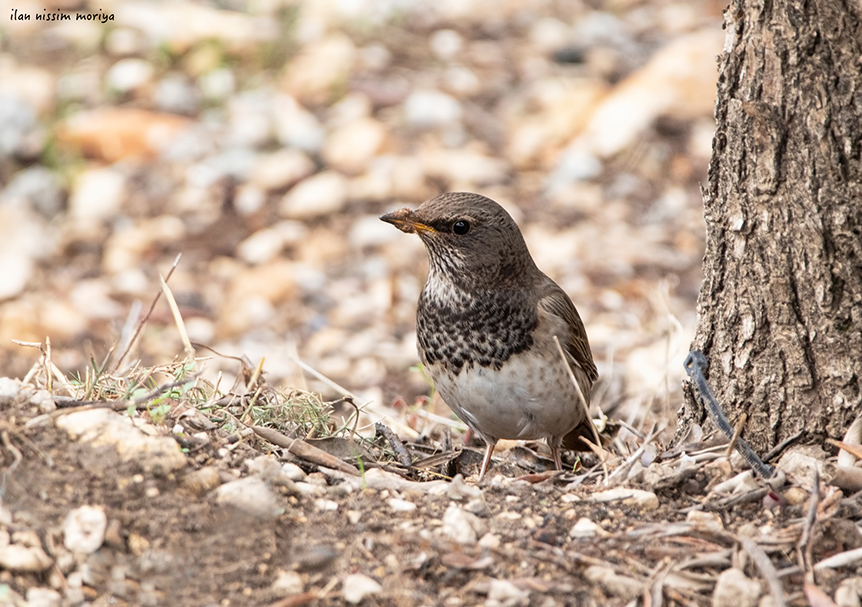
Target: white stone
{"points": [[321, 194], [446, 43], [287, 583], [281, 169], [250, 494], [20, 234], [400, 505], [490, 541], [43, 597], [129, 74], [461, 167], [504, 592], [97, 194], [326, 505], [293, 472], [849, 593], [15, 558], [217, 84], [459, 525], [262, 246], [735, 589], [357, 586], [430, 108], [628, 497], [43, 400], [370, 231], [84, 529], [9, 388], [105, 427], [584, 528], [800, 462], [613, 583], [352, 147], [295, 126]]}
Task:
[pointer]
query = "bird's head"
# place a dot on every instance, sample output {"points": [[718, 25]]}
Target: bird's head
{"points": [[469, 238]]}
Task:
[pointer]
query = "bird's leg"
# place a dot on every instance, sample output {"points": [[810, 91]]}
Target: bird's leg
{"points": [[555, 453], [487, 459]]}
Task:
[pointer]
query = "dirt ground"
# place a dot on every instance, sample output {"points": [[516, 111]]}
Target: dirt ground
{"points": [[523, 538]]}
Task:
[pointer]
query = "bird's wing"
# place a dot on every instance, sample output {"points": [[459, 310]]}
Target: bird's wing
{"points": [[555, 301]]}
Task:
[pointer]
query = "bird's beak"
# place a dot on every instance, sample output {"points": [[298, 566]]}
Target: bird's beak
{"points": [[406, 221]]}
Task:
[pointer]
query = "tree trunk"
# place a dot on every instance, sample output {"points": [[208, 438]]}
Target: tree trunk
{"points": [[780, 308]]}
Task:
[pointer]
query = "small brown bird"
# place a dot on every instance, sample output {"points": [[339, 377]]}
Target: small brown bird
{"points": [[486, 323]]}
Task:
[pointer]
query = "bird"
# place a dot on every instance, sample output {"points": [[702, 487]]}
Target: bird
{"points": [[502, 342]]}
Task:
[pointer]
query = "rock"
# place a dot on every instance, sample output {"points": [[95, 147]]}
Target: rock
{"points": [[42, 400], [24, 559], [459, 489], [249, 199], [295, 126], [553, 111], [9, 389], [550, 34], [176, 94], [112, 134], [357, 586], [23, 240], [612, 583], [287, 583], [322, 194], [735, 589], [400, 505], [202, 481], [281, 169], [84, 529], [250, 494], [217, 84], [584, 528], [158, 454], [250, 120], [705, 521], [628, 497], [126, 42], [264, 245], [366, 231], [679, 79], [849, 592], [129, 75], [293, 472], [43, 597], [97, 194], [181, 25], [799, 463], [20, 134], [464, 169], [461, 526], [431, 108], [321, 67], [504, 593], [446, 43], [36, 187], [35, 87], [351, 148], [392, 177]]}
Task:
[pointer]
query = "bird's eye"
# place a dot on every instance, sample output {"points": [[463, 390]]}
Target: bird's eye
{"points": [[461, 227]]}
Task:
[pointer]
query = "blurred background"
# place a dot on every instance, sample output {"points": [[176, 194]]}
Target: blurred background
{"points": [[262, 139]]}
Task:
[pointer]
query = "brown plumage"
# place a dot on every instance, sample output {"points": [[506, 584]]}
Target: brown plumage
{"points": [[486, 323]]}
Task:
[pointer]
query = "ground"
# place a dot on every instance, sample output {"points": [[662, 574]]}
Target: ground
{"points": [[171, 540]]}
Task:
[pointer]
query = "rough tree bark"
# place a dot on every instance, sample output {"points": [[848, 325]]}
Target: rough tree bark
{"points": [[780, 308]]}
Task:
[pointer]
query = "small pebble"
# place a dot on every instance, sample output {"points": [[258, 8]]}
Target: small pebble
{"points": [[84, 529], [357, 586]]}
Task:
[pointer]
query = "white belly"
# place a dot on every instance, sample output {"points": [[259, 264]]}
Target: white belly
{"points": [[528, 398]]}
